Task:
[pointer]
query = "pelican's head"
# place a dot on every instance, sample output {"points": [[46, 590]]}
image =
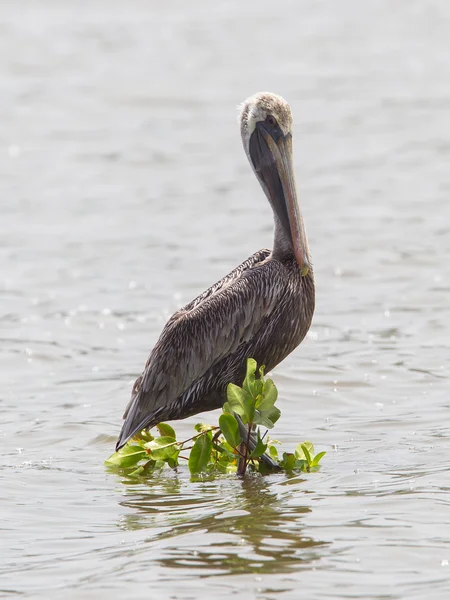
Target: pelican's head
{"points": [[266, 129]]}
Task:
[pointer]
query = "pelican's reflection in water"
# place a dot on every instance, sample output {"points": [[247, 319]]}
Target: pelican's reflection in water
{"points": [[222, 526]]}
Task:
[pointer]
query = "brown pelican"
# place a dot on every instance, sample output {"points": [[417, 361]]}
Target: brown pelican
{"points": [[262, 309]]}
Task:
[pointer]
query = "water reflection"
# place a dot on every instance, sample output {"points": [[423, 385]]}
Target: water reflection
{"points": [[223, 526]]}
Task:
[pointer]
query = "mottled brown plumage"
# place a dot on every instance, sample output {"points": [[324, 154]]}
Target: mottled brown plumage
{"points": [[262, 309]]}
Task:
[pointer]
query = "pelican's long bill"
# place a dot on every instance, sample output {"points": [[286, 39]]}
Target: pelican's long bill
{"points": [[271, 155]]}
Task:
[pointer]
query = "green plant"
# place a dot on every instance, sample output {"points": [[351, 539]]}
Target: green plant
{"points": [[233, 446]]}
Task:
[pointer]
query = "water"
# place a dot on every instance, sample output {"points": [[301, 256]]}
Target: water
{"points": [[124, 192]]}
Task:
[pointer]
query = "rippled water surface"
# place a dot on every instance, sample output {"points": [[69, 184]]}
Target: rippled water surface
{"points": [[124, 192]]}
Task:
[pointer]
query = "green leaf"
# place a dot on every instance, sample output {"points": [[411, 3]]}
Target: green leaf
{"points": [[288, 462], [227, 409], [301, 454], [220, 449], [301, 464], [258, 388], [143, 470], [249, 410], [260, 419], [308, 449], [267, 418], [163, 448], [249, 381], [144, 435], [306, 453], [316, 459], [201, 427], [226, 456], [273, 452], [136, 472], [230, 429], [269, 396], [230, 451], [238, 400], [274, 414], [172, 461], [166, 430], [126, 457], [253, 387], [260, 448], [200, 453]]}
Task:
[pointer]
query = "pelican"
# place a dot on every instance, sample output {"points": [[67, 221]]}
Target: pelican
{"points": [[262, 309]]}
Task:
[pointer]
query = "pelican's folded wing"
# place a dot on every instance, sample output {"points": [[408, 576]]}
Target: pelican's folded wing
{"points": [[196, 338]]}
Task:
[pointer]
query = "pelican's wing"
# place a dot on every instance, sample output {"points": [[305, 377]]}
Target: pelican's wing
{"points": [[195, 339]]}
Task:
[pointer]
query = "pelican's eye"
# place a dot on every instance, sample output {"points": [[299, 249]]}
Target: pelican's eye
{"points": [[272, 127]]}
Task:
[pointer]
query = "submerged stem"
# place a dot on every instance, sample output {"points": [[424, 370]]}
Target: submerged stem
{"points": [[242, 463], [243, 451]]}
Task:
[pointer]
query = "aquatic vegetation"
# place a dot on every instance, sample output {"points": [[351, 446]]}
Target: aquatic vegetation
{"points": [[233, 446]]}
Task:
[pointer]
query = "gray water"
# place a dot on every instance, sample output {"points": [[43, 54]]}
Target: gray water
{"points": [[124, 192]]}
